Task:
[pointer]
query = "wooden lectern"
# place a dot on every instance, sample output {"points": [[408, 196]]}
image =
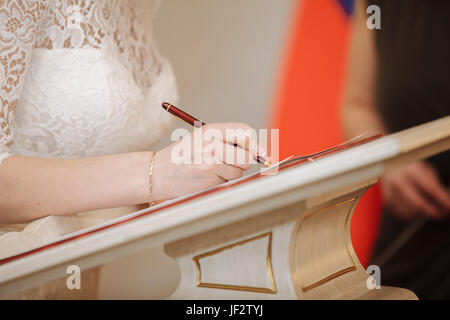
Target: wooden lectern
{"points": [[282, 236]]}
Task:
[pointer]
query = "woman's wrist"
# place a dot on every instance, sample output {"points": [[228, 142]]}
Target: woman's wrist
{"points": [[147, 182], [158, 178], [144, 178], [151, 201], [138, 177]]}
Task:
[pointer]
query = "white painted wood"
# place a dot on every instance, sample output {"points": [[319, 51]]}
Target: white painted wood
{"points": [[255, 263], [238, 203], [297, 185], [238, 260]]}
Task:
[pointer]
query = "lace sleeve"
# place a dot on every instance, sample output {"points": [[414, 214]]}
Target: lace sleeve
{"points": [[18, 28]]}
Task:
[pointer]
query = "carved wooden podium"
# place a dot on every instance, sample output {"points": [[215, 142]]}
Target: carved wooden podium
{"points": [[283, 236]]}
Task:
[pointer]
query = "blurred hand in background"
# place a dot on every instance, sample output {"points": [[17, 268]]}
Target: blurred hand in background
{"points": [[414, 191]]}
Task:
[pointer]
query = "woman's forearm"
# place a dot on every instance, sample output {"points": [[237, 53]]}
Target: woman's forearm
{"points": [[32, 188]]}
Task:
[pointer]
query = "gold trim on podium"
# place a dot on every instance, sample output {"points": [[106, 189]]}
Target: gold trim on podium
{"points": [[272, 290], [298, 282]]}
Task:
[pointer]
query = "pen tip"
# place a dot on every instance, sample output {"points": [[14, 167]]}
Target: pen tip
{"points": [[166, 105]]}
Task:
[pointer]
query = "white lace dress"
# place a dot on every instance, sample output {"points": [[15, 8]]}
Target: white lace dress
{"points": [[78, 78]]}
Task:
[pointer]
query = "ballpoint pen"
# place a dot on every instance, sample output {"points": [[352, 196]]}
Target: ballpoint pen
{"points": [[180, 114]]}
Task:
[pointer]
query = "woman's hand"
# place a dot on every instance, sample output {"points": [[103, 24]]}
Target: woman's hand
{"points": [[209, 156], [415, 190]]}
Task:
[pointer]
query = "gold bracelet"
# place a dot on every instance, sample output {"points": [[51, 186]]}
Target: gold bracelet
{"points": [[150, 181]]}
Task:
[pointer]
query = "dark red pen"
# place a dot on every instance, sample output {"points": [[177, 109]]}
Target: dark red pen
{"points": [[180, 114]]}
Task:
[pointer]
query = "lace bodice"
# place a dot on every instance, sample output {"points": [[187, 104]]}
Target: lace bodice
{"points": [[80, 78]]}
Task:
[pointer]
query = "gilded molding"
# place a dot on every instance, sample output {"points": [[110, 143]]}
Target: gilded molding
{"points": [[270, 274]]}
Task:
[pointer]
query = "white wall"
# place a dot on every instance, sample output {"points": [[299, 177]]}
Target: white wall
{"points": [[226, 55]]}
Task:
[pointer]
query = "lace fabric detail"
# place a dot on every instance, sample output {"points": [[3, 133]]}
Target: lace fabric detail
{"points": [[18, 28], [80, 78], [76, 24]]}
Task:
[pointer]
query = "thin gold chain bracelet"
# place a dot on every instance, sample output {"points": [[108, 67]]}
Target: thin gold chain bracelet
{"points": [[150, 180]]}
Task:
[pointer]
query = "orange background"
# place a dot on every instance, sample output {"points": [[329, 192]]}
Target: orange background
{"points": [[308, 107]]}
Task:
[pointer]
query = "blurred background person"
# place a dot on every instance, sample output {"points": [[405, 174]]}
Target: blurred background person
{"points": [[398, 78], [309, 97]]}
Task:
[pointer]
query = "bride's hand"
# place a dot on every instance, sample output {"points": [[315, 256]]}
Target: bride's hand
{"points": [[205, 158]]}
